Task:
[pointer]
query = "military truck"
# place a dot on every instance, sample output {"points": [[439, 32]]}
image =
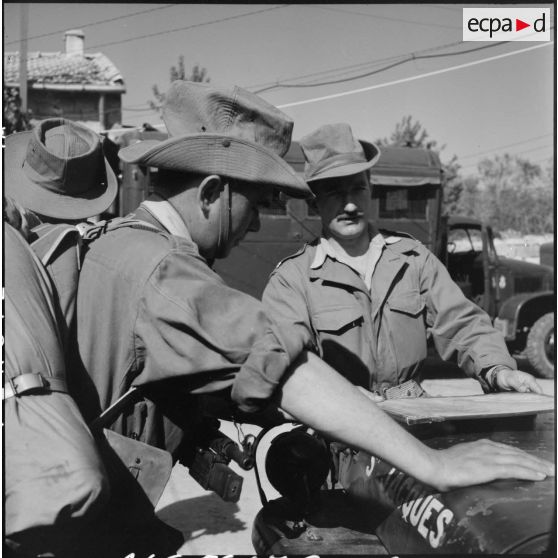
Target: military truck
{"points": [[407, 191]]}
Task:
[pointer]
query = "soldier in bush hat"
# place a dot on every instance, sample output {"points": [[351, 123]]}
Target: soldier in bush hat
{"points": [[366, 299], [153, 314], [59, 170]]}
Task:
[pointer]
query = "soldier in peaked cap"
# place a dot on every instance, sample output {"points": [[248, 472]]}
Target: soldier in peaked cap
{"points": [[366, 299], [152, 313]]}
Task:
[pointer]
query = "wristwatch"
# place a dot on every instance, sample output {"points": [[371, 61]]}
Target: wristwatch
{"points": [[489, 376]]}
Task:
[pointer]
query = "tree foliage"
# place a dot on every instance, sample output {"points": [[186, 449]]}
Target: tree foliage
{"points": [[13, 119], [515, 195], [508, 192], [198, 74]]}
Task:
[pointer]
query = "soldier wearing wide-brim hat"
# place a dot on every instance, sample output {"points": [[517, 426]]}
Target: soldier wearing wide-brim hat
{"points": [[369, 299], [59, 170], [150, 307]]}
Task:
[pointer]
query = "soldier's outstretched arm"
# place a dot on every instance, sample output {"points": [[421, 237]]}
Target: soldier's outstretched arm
{"points": [[319, 397]]}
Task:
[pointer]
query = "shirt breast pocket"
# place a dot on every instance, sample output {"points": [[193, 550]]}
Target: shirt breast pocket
{"points": [[408, 303], [337, 320]]}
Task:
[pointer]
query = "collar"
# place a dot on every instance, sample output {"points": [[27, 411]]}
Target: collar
{"points": [[167, 215], [325, 249]]}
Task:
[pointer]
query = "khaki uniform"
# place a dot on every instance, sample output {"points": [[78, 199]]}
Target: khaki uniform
{"points": [[149, 308], [377, 337]]}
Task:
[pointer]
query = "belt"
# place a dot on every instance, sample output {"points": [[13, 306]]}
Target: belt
{"points": [[25, 383]]}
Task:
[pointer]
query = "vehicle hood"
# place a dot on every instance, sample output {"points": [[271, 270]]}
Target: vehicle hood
{"points": [[528, 269], [494, 518]]}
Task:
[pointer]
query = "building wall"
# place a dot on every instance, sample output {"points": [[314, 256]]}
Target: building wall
{"points": [[74, 105]]}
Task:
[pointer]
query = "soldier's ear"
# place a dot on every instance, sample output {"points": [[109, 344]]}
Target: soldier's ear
{"points": [[208, 192]]}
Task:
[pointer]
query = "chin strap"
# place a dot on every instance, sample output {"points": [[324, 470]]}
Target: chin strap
{"points": [[224, 220]]}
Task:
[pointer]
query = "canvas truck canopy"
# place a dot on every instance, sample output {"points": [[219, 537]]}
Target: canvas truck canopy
{"points": [[397, 166], [406, 166]]}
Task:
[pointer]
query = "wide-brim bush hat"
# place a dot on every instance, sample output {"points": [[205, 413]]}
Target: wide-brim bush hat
{"points": [[58, 169], [220, 130], [332, 151]]}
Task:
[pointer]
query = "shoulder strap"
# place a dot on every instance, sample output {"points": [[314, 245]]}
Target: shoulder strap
{"points": [[92, 231], [50, 237], [296, 254]]}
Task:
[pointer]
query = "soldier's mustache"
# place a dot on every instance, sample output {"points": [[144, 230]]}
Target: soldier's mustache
{"points": [[351, 215]]}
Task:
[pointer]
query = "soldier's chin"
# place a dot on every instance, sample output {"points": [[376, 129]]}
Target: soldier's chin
{"points": [[350, 231]]}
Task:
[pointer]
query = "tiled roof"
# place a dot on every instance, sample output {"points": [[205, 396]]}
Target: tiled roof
{"points": [[58, 68]]}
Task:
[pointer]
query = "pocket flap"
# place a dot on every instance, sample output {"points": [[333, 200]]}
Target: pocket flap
{"points": [[337, 319], [409, 302]]}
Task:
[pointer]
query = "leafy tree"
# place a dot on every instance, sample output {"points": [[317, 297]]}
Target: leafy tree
{"points": [[468, 203], [409, 133], [516, 195], [13, 119], [197, 74]]}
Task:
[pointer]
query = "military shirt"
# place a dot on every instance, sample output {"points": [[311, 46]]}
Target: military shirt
{"points": [[377, 336], [150, 309]]}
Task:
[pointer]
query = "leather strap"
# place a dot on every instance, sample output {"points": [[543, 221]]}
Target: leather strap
{"points": [[26, 383], [109, 415], [224, 220]]}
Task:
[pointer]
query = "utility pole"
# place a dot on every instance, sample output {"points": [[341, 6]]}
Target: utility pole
{"points": [[23, 57]]}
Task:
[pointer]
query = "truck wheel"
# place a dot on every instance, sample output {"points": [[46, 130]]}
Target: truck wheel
{"points": [[540, 346]]}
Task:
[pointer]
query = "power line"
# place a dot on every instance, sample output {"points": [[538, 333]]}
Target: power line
{"points": [[96, 22], [195, 25], [345, 69], [411, 58], [413, 78], [387, 18], [469, 156]]}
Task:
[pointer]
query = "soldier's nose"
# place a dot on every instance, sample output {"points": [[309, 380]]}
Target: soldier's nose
{"points": [[350, 207]]}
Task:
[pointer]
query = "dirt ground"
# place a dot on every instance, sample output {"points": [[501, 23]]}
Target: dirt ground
{"points": [[213, 527], [209, 525]]}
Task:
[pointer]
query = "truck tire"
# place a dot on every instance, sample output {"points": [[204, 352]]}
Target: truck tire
{"points": [[539, 349]]}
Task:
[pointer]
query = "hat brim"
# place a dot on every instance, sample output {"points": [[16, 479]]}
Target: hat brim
{"points": [[30, 195], [372, 154], [218, 154]]}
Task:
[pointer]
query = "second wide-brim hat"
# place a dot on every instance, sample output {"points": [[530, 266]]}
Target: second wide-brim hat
{"points": [[224, 131], [332, 151], [59, 170]]}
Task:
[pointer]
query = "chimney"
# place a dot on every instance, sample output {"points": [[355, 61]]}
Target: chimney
{"points": [[74, 41]]}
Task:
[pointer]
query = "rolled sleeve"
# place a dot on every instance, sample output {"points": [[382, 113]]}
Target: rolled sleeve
{"points": [[190, 323]]}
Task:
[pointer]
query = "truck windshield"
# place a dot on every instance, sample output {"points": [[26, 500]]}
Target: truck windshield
{"points": [[461, 240]]}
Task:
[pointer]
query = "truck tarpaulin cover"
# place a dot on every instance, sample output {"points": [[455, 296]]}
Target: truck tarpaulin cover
{"points": [[405, 166], [53, 473]]}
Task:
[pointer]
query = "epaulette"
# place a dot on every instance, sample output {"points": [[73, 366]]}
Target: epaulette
{"points": [[386, 232], [301, 251]]}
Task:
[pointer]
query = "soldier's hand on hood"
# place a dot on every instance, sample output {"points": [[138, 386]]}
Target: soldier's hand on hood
{"points": [[507, 379]]}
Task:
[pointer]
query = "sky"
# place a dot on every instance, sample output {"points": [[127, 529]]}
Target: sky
{"points": [[477, 104]]}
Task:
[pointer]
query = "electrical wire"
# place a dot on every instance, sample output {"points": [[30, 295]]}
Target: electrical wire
{"points": [[413, 78], [193, 26], [95, 23], [469, 156], [410, 58], [374, 16], [352, 67]]}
